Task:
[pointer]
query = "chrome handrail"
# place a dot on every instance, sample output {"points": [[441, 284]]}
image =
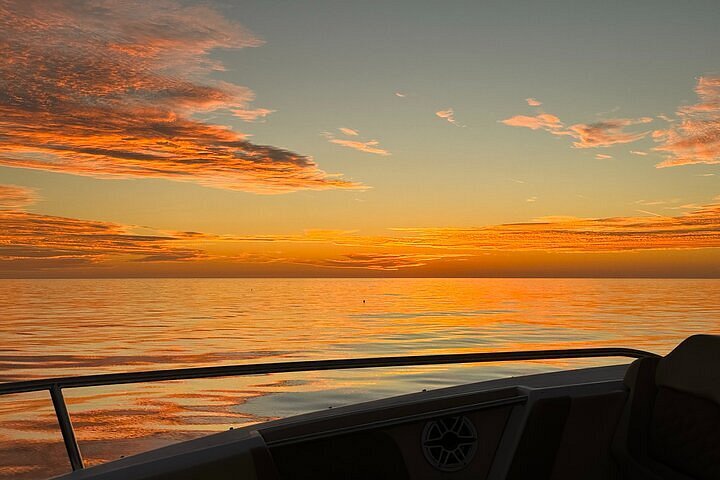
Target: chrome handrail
{"points": [[55, 385]]}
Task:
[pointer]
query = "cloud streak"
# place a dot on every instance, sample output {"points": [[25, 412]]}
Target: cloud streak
{"points": [[108, 90], [349, 131], [33, 241], [369, 146], [389, 262], [252, 115], [697, 229], [16, 197], [30, 240]]}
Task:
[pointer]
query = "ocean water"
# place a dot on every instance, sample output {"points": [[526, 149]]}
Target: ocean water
{"points": [[71, 327]]}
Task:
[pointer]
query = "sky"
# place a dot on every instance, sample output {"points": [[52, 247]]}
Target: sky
{"points": [[406, 138]]}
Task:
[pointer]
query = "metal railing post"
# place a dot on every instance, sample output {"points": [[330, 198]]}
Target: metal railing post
{"points": [[68, 434]]}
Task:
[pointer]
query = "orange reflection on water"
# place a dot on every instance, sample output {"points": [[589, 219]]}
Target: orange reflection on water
{"points": [[72, 327]]}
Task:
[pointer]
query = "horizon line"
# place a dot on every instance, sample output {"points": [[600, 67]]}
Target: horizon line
{"points": [[361, 277]]}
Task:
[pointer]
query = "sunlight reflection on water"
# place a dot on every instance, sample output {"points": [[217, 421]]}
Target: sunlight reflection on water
{"points": [[72, 327]]}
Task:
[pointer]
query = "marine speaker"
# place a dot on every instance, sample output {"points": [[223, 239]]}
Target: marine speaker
{"points": [[449, 443]]}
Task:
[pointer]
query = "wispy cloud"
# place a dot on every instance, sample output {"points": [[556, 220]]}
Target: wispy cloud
{"points": [[695, 138], [382, 261], [638, 152], [586, 135], [16, 197], [602, 156], [533, 102], [606, 133], [400, 94], [252, 115], [349, 131], [655, 202], [369, 146], [108, 90], [448, 115], [650, 213]]}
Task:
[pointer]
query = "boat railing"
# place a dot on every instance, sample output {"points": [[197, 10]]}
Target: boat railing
{"points": [[56, 385]]}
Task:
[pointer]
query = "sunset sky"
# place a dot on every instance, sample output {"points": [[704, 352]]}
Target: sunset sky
{"points": [[405, 138]]}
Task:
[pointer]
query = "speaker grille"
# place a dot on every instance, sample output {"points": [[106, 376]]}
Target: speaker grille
{"points": [[449, 443]]}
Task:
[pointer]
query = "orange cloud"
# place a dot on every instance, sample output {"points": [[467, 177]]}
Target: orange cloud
{"points": [[33, 241], [349, 131], [697, 229], [606, 133], [381, 261], [448, 115], [586, 135], [108, 90], [533, 102], [543, 121], [696, 137], [14, 197], [370, 146], [692, 138], [30, 240], [252, 115]]}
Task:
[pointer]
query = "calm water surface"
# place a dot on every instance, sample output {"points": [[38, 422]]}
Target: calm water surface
{"points": [[72, 327]]}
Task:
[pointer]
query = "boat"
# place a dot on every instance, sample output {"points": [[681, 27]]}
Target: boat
{"points": [[656, 418]]}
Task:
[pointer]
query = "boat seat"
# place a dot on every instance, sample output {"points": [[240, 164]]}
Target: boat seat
{"points": [[670, 428]]}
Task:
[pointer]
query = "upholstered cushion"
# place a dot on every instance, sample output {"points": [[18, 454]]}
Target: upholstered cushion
{"points": [[685, 434], [693, 367]]}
